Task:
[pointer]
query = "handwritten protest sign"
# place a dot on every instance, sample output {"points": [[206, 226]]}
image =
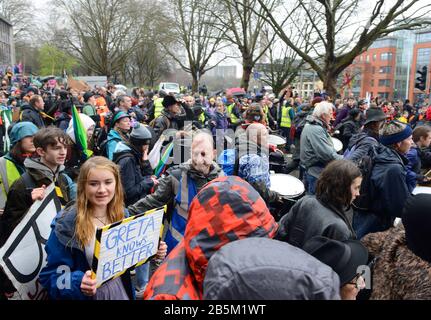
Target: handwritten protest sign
{"points": [[23, 255], [126, 244]]}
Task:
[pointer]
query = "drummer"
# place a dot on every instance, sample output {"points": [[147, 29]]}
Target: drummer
{"points": [[317, 149], [254, 114], [254, 163]]}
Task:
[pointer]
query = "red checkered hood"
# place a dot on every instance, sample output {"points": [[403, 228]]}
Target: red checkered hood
{"points": [[227, 209]]}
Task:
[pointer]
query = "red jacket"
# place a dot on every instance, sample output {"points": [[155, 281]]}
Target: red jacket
{"points": [[227, 209]]}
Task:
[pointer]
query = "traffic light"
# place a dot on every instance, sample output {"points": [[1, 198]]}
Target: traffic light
{"points": [[421, 81]]}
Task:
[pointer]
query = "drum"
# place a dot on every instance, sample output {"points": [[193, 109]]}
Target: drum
{"points": [[277, 161], [419, 190], [287, 186], [291, 188], [338, 145], [276, 140]]}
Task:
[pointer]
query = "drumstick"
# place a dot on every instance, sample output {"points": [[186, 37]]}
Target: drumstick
{"points": [[428, 174]]}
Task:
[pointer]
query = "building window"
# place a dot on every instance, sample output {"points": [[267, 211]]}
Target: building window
{"points": [[423, 37], [374, 57], [424, 56], [373, 70], [386, 56], [386, 69], [372, 82], [384, 83], [368, 58], [384, 43], [383, 95]]}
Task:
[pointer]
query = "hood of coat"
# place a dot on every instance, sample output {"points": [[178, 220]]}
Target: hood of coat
{"points": [[267, 269], [64, 224], [39, 171], [226, 210], [214, 173], [386, 155]]}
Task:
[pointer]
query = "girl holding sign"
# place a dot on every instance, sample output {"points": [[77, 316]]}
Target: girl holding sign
{"points": [[70, 247]]}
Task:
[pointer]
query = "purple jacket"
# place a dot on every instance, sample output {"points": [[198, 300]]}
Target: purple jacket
{"points": [[219, 121], [342, 114]]}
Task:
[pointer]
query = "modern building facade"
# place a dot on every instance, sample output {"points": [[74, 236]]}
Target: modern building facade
{"points": [[388, 69]]}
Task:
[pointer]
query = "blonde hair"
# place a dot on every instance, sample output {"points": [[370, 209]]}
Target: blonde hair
{"points": [[84, 228]]}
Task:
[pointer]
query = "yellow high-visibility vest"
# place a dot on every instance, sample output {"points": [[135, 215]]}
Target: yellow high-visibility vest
{"points": [[286, 122], [158, 107], [8, 175]]}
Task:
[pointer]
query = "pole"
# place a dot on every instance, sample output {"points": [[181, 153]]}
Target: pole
{"points": [[301, 84], [408, 75]]}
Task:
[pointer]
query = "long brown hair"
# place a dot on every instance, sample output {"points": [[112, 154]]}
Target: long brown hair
{"points": [[84, 229], [333, 186]]}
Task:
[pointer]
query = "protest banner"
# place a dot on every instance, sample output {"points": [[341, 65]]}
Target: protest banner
{"points": [[23, 255], [126, 244]]}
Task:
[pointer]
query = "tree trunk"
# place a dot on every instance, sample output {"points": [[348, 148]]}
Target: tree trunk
{"points": [[330, 85], [195, 84], [246, 73]]}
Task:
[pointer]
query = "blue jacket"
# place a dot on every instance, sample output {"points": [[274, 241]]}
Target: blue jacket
{"points": [[63, 250], [414, 168], [114, 139], [135, 174], [389, 183]]}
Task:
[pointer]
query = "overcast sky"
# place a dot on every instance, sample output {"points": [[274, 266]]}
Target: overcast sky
{"points": [[42, 9]]}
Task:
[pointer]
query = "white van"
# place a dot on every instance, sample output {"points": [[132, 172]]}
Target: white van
{"points": [[170, 87]]}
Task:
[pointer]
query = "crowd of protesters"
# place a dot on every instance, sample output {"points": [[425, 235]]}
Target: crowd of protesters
{"points": [[225, 230]]}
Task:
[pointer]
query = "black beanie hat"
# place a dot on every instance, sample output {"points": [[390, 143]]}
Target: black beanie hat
{"points": [[417, 223]]}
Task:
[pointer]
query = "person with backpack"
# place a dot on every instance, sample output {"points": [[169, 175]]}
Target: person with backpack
{"points": [[120, 128], [50, 144], [135, 169], [137, 180], [384, 189], [361, 143], [168, 117], [180, 187]]}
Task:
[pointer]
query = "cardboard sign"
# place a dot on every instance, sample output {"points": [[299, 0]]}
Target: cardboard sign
{"points": [[23, 256], [126, 244]]}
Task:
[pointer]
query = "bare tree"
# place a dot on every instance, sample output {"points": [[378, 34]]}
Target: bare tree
{"points": [[20, 14], [284, 63], [103, 33], [193, 31], [343, 29], [244, 30]]}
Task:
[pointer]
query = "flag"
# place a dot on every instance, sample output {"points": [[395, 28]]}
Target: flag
{"points": [[164, 159], [6, 117], [80, 133]]}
